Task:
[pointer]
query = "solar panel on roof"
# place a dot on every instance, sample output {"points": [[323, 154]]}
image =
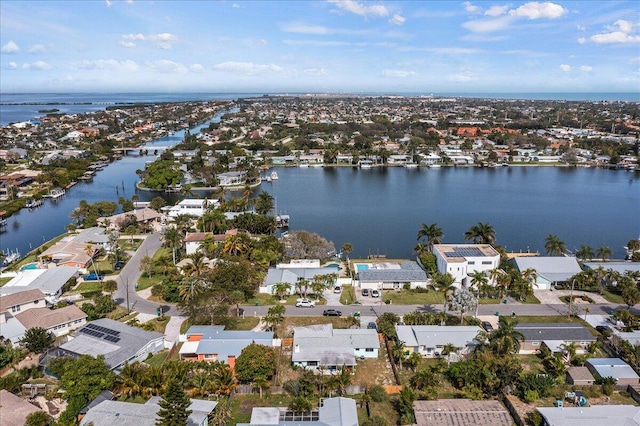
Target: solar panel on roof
{"points": [[110, 338], [465, 252], [103, 330]]}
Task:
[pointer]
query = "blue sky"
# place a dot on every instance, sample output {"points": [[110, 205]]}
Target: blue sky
{"points": [[319, 46]]}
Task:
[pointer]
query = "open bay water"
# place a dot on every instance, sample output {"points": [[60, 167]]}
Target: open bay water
{"points": [[380, 211]]}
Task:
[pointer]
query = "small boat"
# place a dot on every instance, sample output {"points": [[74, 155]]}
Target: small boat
{"points": [[32, 204], [411, 165], [10, 257], [317, 165], [434, 166], [282, 221], [55, 193], [303, 165], [273, 175], [365, 164]]}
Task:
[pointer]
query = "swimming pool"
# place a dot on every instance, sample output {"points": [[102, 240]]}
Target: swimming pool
{"points": [[333, 266], [361, 267], [29, 266]]}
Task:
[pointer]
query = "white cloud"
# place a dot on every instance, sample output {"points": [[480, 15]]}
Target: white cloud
{"points": [[565, 67], [586, 68], [399, 73], [496, 10], [166, 67], [10, 47], [127, 44], [315, 71], [470, 8], [196, 68], [317, 43], [397, 20], [133, 37], [582, 40], [304, 29], [235, 6], [12, 65], [108, 2], [535, 10], [488, 25], [37, 48], [163, 40], [360, 8], [581, 27], [109, 64], [454, 50], [247, 68], [462, 76], [500, 18], [620, 32], [37, 65]]}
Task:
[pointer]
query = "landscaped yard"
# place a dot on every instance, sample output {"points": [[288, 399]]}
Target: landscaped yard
{"points": [[264, 299], [88, 286], [290, 322], [157, 359]]}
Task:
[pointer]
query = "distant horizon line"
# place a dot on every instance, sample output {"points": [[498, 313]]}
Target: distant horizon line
{"points": [[307, 92]]}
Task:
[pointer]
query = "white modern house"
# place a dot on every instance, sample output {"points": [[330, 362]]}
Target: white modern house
{"points": [[429, 340], [461, 260], [191, 206], [293, 272]]}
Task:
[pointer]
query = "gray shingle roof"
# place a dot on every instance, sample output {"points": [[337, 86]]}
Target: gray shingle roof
{"points": [[557, 331], [49, 282], [434, 335]]}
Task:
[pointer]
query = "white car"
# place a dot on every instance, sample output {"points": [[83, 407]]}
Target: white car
{"points": [[375, 293], [304, 303]]}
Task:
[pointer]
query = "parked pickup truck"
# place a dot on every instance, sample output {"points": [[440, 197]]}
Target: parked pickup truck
{"points": [[92, 277]]}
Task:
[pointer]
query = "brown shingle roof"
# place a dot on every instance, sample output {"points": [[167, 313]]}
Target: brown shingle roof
{"points": [[461, 412], [20, 298], [48, 318], [14, 410]]}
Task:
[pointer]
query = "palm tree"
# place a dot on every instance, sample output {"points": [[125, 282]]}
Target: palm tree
{"points": [[275, 316], [433, 233], [281, 289], [347, 248], [264, 203], [91, 251], [398, 352], [443, 283], [420, 249], [173, 240], [585, 252], [554, 245], [506, 339], [529, 277], [482, 233], [261, 382], [478, 280], [196, 267], [235, 245], [447, 350], [604, 253]]}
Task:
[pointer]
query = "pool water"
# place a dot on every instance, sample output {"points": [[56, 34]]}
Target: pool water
{"points": [[362, 267], [29, 266]]}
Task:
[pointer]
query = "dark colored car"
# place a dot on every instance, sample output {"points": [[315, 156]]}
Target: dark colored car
{"points": [[118, 265], [487, 326], [372, 325], [331, 313], [365, 291], [604, 329]]}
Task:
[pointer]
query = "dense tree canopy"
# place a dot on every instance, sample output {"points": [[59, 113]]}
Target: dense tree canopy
{"points": [[255, 360]]}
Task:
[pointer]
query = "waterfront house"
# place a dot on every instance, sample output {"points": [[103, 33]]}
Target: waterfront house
{"points": [[323, 347], [462, 260], [49, 281], [391, 276], [212, 343], [195, 207], [620, 267], [232, 178], [293, 272], [550, 270], [117, 342], [108, 413], [67, 253], [94, 235], [338, 411], [554, 336], [428, 340], [144, 216], [613, 367]]}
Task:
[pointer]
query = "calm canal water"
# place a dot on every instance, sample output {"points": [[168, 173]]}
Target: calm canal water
{"points": [[380, 211]]}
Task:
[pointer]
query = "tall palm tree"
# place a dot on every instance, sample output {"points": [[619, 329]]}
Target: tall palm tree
{"points": [[235, 245], [281, 289], [481, 233], [604, 253], [443, 283], [347, 248], [554, 245], [478, 280], [264, 203], [433, 233]]}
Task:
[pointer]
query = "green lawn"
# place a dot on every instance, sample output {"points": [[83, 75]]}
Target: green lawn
{"points": [[157, 359], [263, 299], [3, 281], [613, 297], [86, 286], [146, 282], [348, 295], [542, 319], [412, 297]]}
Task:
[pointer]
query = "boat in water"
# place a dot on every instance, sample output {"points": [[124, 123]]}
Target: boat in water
{"points": [[434, 166], [411, 165], [55, 193], [32, 204], [273, 176], [10, 257], [282, 220], [365, 164]]}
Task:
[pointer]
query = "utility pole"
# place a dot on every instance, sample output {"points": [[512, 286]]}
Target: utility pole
{"points": [[570, 299], [128, 306]]}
